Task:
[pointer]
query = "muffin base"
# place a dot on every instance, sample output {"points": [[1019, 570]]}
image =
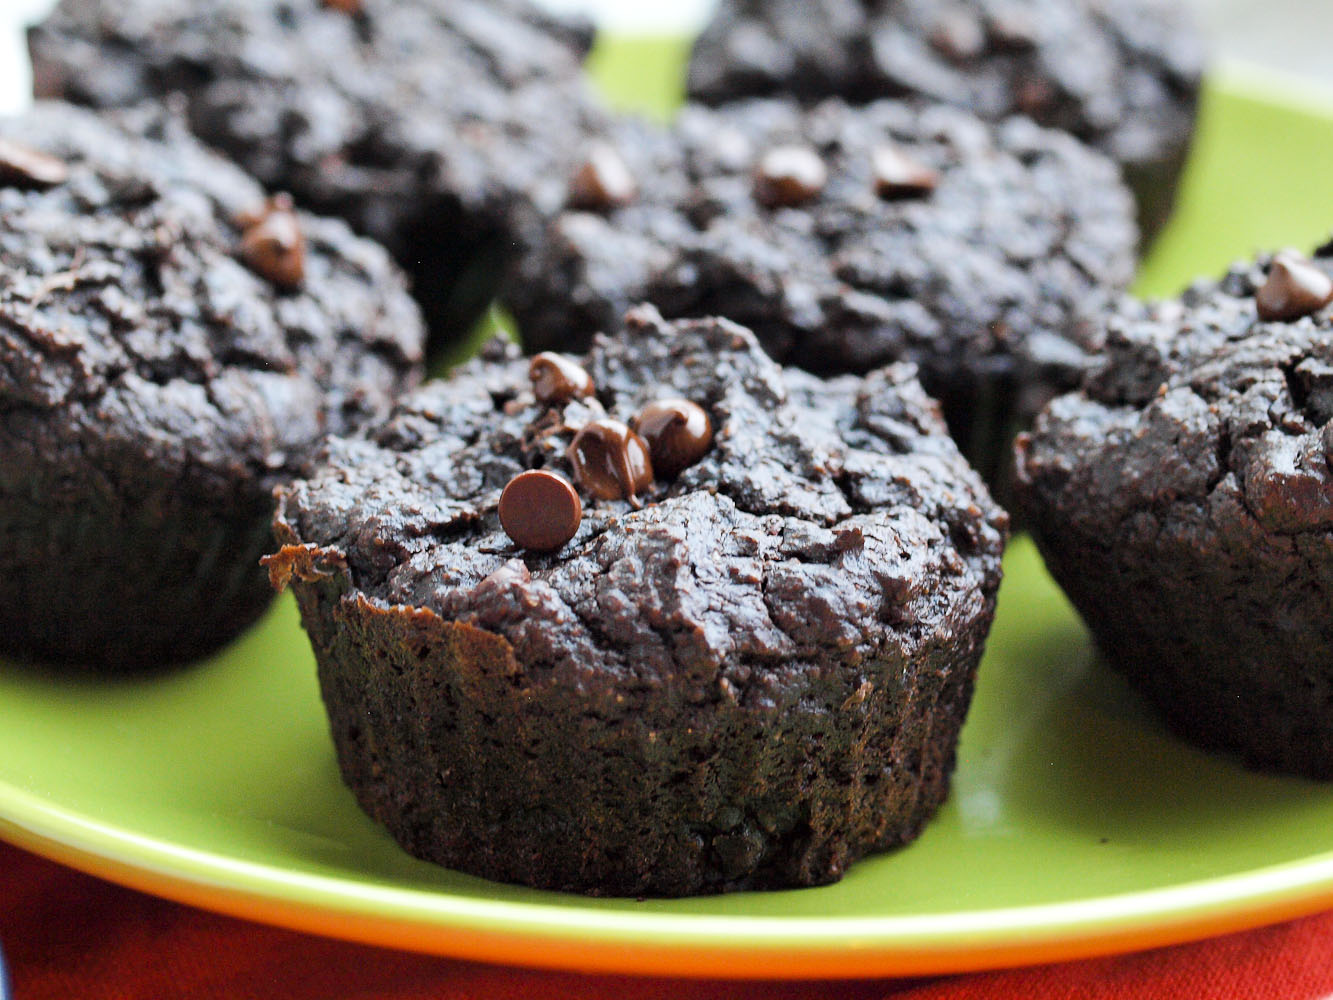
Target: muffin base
{"points": [[476, 763], [153, 571], [1220, 672]]}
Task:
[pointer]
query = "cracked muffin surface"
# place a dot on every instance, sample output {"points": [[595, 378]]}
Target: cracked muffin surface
{"points": [[158, 377], [984, 254], [1122, 75], [749, 681], [1184, 499], [441, 128]]}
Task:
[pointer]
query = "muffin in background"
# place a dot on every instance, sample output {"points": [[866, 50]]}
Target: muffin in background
{"points": [[1122, 75], [173, 345], [441, 128], [847, 238]]}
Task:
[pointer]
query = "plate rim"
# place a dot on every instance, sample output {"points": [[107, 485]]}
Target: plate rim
{"points": [[676, 944]]}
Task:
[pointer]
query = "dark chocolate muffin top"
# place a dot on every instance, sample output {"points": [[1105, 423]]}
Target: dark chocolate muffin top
{"points": [[428, 124], [1214, 408], [824, 520], [149, 293], [1120, 74], [847, 238]]}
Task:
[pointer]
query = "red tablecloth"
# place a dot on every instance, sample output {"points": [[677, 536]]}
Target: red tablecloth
{"points": [[68, 936]]}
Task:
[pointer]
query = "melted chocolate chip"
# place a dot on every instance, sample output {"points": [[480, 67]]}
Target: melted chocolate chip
{"points": [[1295, 288], [897, 175], [273, 245], [557, 380], [603, 181], [27, 168], [611, 461], [789, 175], [540, 511], [678, 433]]}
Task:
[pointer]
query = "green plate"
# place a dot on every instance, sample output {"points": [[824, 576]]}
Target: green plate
{"points": [[1077, 825]]}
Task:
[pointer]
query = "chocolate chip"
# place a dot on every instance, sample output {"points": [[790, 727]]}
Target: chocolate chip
{"points": [[23, 167], [610, 461], [273, 245], [678, 433], [897, 175], [958, 37], [603, 181], [557, 380], [789, 175], [1033, 97], [540, 510], [1295, 288], [344, 6]]}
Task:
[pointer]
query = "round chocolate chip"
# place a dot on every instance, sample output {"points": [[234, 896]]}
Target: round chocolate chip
{"points": [[1295, 288], [678, 433], [789, 175], [557, 380], [28, 168], [1034, 97], [897, 175], [610, 461], [273, 245], [540, 510], [603, 181]]}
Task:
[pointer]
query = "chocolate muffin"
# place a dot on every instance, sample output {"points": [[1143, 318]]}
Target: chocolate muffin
{"points": [[1122, 75], [1184, 499], [172, 346], [848, 238], [442, 128], [677, 620]]}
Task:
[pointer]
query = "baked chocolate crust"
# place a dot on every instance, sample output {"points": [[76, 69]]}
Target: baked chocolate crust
{"points": [[154, 388], [749, 682], [441, 128], [993, 282], [1184, 500], [1122, 75]]}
